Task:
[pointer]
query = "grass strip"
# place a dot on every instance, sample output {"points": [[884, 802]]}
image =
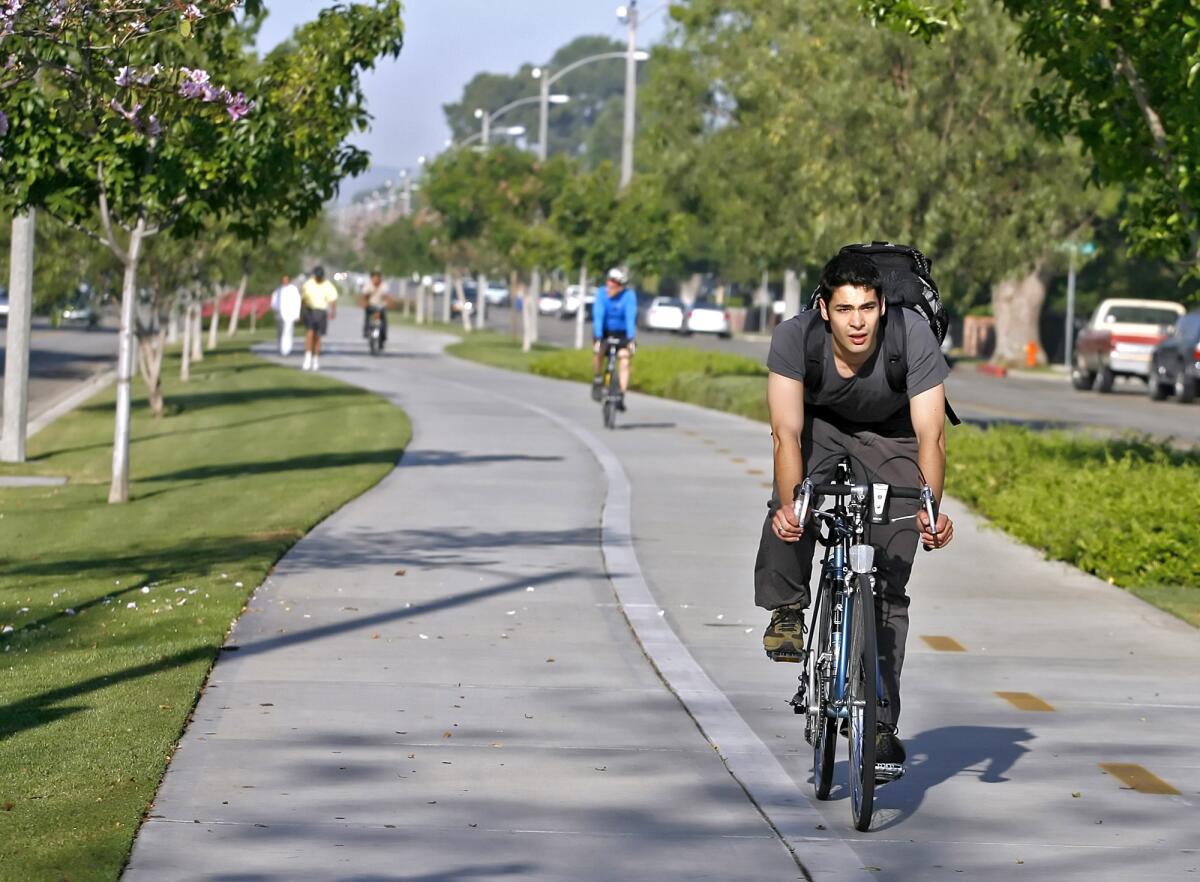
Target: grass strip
{"points": [[117, 612], [1122, 510]]}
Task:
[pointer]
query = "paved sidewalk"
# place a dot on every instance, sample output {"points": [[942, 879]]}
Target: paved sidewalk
{"points": [[439, 683]]}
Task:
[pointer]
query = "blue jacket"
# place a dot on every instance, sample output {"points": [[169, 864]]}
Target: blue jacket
{"points": [[615, 315]]}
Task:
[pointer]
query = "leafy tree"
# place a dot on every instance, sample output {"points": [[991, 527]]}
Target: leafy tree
{"points": [[1125, 86], [907, 143], [159, 164]]}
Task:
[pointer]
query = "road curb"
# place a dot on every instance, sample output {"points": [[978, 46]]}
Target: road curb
{"points": [[70, 401]]}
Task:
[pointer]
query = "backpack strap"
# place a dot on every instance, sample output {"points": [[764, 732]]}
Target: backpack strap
{"points": [[814, 356], [895, 350]]}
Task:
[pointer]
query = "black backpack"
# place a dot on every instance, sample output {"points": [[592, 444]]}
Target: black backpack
{"points": [[907, 282]]}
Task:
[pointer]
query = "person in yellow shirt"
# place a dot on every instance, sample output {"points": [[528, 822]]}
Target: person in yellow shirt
{"points": [[319, 298]]}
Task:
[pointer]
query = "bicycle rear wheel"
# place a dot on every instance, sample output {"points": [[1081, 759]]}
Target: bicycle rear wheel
{"points": [[862, 699], [612, 396], [822, 728]]}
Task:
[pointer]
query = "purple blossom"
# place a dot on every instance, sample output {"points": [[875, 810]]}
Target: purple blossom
{"points": [[238, 106], [124, 78], [3, 124]]}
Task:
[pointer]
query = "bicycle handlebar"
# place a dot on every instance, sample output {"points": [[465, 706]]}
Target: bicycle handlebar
{"points": [[804, 493]]}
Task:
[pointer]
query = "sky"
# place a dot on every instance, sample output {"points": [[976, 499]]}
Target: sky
{"points": [[447, 42]]}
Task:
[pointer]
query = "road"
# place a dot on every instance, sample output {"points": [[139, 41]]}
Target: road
{"points": [[1044, 401], [531, 653], [61, 358]]}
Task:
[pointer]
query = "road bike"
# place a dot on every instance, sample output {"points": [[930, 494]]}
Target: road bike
{"points": [[840, 678], [375, 329], [610, 388]]}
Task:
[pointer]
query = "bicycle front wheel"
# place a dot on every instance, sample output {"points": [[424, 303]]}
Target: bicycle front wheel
{"points": [[822, 727], [861, 701]]}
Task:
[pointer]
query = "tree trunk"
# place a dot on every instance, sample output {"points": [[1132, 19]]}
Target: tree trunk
{"points": [[215, 322], [446, 293], [481, 301], [1017, 307], [581, 313], [151, 349], [405, 306], [689, 288], [421, 303], [513, 290], [236, 316], [791, 294], [173, 325], [16, 352], [531, 311], [185, 353], [119, 489], [463, 312], [197, 319]]}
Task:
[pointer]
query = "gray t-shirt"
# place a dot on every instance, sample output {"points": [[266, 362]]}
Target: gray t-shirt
{"points": [[865, 398]]}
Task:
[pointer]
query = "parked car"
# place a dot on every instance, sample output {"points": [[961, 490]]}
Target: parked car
{"points": [[1175, 362], [496, 294], [571, 302], [1118, 340], [664, 314], [3, 307], [707, 318], [550, 303], [470, 292], [82, 312]]}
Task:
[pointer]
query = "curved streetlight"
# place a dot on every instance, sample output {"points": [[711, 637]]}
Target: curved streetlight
{"points": [[486, 118], [548, 80]]}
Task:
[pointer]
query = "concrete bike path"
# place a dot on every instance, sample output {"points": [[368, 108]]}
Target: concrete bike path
{"points": [[994, 791]]}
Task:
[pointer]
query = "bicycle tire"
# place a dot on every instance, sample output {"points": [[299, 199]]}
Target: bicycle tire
{"points": [[862, 702], [373, 343], [613, 396], [823, 726]]}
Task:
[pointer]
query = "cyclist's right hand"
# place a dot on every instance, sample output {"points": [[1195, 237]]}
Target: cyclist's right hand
{"points": [[785, 525]]}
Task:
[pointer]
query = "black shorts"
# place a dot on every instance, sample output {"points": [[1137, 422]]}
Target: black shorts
{"points": [[622, 345], [316, 320]]}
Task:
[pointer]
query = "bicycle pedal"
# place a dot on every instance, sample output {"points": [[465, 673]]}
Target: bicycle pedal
{"points": [[784, 655], [886, 773]]}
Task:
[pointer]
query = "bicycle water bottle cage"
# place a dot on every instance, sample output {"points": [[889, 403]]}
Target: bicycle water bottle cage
{"points": [[880, 500]]}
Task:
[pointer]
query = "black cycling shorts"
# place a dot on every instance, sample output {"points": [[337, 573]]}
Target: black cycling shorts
{"points": [[624, 344]]}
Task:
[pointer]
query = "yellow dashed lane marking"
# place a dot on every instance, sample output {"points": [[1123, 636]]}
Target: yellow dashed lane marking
{"points": [[943, 644], [754, 471], [1138, 778], [724, 450], [739, 459], [768, 485], [1026, 701]]}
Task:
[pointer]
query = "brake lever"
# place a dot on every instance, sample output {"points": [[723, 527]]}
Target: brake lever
{"points": [[931, 512], [803, 501]]}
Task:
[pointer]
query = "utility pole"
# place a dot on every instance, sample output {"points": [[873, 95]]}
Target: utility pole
{"points": [[1070, 326], [543, 114], [629, 15], [16, 349]]}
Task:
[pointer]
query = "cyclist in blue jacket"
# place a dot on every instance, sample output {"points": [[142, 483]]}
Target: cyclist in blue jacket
{"points": [[614, 314]]}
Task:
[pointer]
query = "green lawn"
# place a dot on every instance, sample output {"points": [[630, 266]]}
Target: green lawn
{"points": [[1123, 510], [118, 611]]}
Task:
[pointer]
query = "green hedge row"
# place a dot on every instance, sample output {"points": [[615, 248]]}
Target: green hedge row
{"points": [[1123, 510]]}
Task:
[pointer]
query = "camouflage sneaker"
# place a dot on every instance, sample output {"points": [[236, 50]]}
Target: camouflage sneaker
{"points": [[784, 638]]}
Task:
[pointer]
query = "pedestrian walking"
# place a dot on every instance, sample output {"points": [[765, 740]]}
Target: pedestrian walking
{"points": [[319, 299], [285, 303]]}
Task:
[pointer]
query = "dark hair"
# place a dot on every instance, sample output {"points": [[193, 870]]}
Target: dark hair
{"points": [[318, 271], [856, 270]]}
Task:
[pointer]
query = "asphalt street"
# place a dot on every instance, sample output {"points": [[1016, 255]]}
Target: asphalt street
{"points": [[1045, 401], [60, 359], [531, 653]]}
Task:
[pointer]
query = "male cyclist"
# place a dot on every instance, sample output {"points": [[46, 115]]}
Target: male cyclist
{"points": [[614, 314], [892, 437], [374, 298]]}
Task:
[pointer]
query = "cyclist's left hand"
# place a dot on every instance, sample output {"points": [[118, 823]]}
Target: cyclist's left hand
{"points": [[945, 531]]}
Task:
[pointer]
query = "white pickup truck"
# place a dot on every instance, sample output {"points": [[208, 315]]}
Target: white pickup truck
{"points": [[1118, 340]]}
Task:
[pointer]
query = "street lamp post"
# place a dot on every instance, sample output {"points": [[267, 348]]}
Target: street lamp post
{"points": [[547, 80], [486, 118], [629, 16]]}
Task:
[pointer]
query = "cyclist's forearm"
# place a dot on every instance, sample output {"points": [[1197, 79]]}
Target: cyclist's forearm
{"points": [[789, 464], [931, 458]]}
